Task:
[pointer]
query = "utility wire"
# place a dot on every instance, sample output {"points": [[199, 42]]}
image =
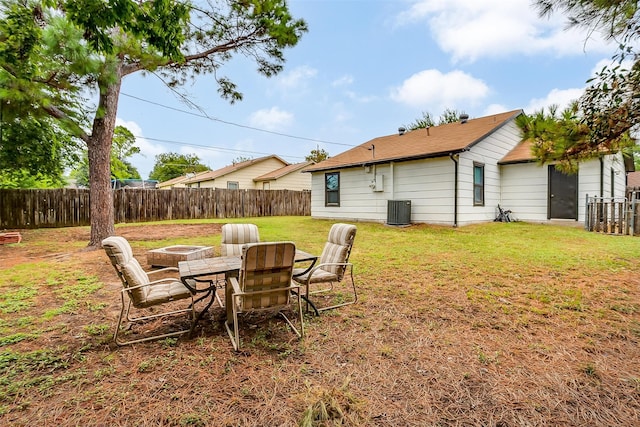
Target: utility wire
{"points": [[206, 116], [208, 147]]}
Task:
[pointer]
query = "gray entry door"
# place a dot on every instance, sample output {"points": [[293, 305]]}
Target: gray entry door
{"points": [[563, 195]]}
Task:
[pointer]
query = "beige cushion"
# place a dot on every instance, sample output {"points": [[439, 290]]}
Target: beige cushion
{"points": [[164, 292], [118, 249], [319, 276], [235, 236], [265, 267], [148, 294], [134, 275], [337, 249]]}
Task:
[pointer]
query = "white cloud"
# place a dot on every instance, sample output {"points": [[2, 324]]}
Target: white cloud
{"points": [[495, 109], [345, 80], [496, 28], [363, 99], [271, 119], [145, 160], [431, 88], [297, 77], [561, 98]]}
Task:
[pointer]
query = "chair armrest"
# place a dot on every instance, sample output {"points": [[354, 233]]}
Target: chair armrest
{"points": [[162, 270], [332, 263], [345, 264], [155, 282], [235, 285]]}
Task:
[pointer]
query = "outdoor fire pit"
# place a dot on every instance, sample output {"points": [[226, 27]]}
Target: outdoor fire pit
{"points": [[171, 255]]}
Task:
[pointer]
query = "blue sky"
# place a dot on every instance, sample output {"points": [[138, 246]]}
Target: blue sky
{"points": [[364, 69]]}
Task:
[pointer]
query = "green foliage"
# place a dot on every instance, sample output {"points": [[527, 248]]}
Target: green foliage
{"points": [[53, 52], [33, 152], [123, 146], [24, 178], [173, 165], [450, 116], [426, 121], [423, 122], [240, 159], [610, 107], [317, 155]]}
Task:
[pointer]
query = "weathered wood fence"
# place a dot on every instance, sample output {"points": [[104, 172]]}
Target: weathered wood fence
{"points": [[613, 215], [70, 207]]}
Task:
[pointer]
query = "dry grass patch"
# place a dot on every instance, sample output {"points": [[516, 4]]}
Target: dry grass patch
{"points": [[497, 324]]}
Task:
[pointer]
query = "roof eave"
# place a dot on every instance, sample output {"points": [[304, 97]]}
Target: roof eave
{"points": [[389, 160], [515, 162]]}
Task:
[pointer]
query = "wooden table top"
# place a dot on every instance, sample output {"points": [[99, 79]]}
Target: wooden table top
{"points": [[224, 264]]}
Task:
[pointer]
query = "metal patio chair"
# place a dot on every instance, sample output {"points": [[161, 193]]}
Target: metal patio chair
{"points": [[264, 283], [235, 236], [332, 268], [141, 292]]}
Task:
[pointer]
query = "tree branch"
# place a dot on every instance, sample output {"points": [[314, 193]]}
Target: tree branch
{"points": [[57, 113]]}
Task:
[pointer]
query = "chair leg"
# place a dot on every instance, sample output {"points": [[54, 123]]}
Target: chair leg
{"points": [[300, 316], [353, 301], [235, 338], [117, 331], [127, 307]]}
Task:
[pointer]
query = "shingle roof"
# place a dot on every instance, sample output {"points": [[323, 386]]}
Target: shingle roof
{"points": [[521, 153], [437, 141], [211, 175], [179, 179], [279, 173]]}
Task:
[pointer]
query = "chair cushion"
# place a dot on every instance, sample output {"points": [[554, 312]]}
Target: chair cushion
{"points": [[118, 249], [342, 234], [165, 292], [134, 275], [266, 266], [336, 250], [319, 276], [235, 236]]}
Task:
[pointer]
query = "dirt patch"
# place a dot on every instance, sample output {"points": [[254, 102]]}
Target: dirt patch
{"points": [[455, 345]]}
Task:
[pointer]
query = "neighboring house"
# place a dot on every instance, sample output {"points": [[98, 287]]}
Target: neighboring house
{"points": [[455, 174], [633, 181], [289, 177], [269, 172], [178, 181]]}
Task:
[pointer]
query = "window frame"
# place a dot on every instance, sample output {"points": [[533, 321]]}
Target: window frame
{"points": [[328, 192], [231, 184], [478, 186]]}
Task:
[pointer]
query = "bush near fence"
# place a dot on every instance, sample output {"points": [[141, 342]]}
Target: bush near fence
{"points": [[67, 207]]}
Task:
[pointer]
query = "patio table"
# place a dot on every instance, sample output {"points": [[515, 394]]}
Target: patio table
{"points": [[203, 271]]}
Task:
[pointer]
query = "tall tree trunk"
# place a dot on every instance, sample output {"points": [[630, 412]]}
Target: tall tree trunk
{"points": [[99, 152]]}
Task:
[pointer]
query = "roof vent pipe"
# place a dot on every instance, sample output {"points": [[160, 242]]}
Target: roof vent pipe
{"points": [[464, 118], [401, 131]]}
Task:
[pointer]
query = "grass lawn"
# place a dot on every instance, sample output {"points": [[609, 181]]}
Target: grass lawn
{"points": [[500, 324]]}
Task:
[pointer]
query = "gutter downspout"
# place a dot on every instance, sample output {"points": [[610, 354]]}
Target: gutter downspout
{"points": [[601, 177], [455, 189]]}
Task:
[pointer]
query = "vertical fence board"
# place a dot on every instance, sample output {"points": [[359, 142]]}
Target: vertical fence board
{"points": [[68, 207], [609, 215]]}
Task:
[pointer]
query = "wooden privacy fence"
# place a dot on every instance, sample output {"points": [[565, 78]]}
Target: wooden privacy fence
{"points": [[70, 207], [613, 215]]}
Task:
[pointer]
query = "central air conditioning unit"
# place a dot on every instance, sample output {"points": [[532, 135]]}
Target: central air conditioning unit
{"points": [[398, 212]]}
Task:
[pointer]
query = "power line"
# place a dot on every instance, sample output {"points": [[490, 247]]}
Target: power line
{"points": [[205, 116], [208, 147]]}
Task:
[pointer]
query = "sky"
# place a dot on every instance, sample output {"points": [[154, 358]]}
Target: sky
{"points": [[365, 68]]}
